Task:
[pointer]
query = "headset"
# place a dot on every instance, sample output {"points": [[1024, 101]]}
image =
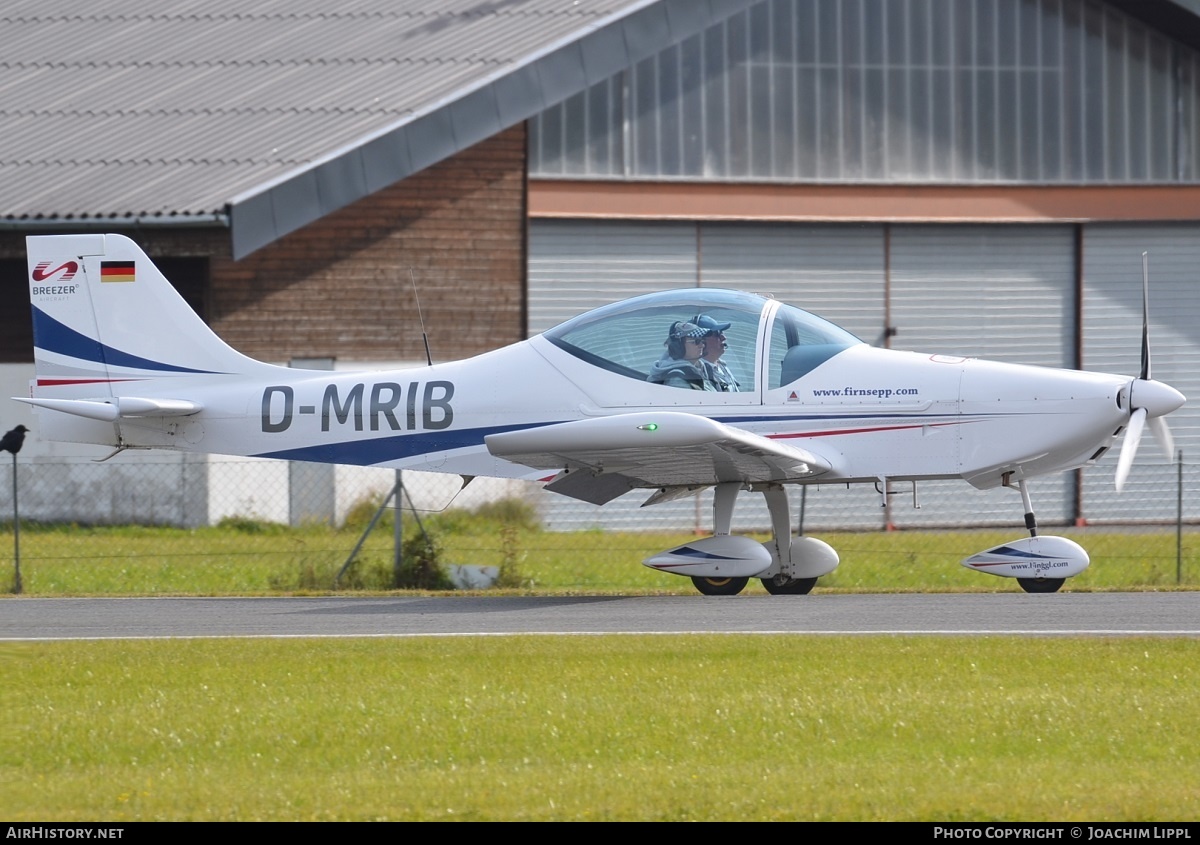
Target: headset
{"points": [[675, 338]]}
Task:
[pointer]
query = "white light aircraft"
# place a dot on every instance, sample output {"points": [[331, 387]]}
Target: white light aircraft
{"points": [[603, 404]]}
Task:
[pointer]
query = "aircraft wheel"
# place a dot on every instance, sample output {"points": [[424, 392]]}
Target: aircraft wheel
{"points": [[720, 586], [782, 585], [1041, 585]]}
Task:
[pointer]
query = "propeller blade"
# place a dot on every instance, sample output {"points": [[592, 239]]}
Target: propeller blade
{"points": [[1162, 436], [1145, 376], [1148, 399], [1133, 435]]}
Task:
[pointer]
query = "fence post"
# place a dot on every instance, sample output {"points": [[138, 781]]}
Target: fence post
{"points": [[1179, 520], [17, 588]]}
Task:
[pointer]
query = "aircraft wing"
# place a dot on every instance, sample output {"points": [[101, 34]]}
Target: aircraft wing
{"points": [[601, 458]]}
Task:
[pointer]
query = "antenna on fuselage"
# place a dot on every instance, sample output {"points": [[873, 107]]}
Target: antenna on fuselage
{"points": [[421, 317]]}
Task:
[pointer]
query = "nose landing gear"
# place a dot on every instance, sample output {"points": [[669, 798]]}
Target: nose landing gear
{"points": [[1040, 564], [1041, 585]]}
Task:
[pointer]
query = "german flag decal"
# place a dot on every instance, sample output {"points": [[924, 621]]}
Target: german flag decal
{"points": [[116, 271]]}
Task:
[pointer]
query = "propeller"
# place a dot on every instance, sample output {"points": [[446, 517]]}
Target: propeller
{"points": [[1148, 401]]}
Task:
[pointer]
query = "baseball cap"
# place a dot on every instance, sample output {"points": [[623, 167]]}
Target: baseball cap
{"points": [[710, 325]]}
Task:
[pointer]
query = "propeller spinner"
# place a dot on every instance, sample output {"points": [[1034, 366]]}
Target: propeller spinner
{"points": [[1148, 401]]}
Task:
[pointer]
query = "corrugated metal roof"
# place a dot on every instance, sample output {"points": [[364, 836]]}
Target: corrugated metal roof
{"points": [[272, 114]]}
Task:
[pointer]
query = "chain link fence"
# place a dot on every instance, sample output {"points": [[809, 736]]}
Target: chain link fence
{"points": [[191, 491]]}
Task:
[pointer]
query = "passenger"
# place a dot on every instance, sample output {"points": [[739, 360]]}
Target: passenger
{"points": [[680, 365], [715, 346]]}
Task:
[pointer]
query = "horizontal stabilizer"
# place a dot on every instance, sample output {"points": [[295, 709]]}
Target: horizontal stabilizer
{"points": [[112, 409]]}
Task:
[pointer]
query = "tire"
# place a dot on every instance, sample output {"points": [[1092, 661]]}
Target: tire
{"points": [[1041, 585], [720, 586], [781, 585]]}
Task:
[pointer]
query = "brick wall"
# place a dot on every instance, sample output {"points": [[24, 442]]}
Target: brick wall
{"points": [[343, 287]]}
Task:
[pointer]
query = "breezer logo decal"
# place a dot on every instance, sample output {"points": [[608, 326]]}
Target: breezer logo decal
{"points": [[42, 271]]}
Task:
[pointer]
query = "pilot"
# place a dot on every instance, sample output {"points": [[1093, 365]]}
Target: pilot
{"points": [[715, 346], [681, 364]]}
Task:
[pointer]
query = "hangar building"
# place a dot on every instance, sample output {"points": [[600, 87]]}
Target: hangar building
{"points": [[976, 177]]}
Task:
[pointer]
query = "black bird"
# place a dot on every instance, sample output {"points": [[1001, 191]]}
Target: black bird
{"points": [[12, 441]]}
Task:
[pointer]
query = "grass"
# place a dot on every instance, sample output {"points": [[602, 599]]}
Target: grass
{"points": [[672, 728], [667, 728], [249, 558]]}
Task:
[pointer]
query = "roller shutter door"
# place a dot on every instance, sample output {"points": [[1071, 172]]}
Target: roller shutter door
{"points": [[1112, 319], [1000, 292], [1005, 292], [835, 272], [578, 265]]}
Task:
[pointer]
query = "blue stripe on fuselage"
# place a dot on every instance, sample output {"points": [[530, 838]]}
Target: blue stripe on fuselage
{"points": [[380, 450]]}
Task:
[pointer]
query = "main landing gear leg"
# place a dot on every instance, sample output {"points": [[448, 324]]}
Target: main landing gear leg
{"points": [[1035, 585], [724, 497], [783, 584]]}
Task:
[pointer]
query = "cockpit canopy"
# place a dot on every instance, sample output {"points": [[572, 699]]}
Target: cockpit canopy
{"points": [[628, 337]]}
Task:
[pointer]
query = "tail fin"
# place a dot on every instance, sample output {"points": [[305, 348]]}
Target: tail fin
{"points": [[103, 315], [115, 344]]}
